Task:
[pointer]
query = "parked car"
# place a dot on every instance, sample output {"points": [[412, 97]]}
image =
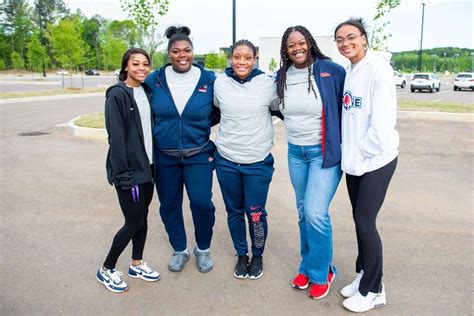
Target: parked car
{"points": [[62, 72], [425, 81], [400, 79], [92, 72], [464, 80]]}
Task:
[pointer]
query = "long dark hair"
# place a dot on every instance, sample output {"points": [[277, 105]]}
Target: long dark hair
{"points": [[357, 23], [126, 57], [180, 33], [286, 62]]}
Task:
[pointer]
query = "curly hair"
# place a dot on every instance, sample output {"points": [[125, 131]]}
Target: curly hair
{"points": [[286, 62]]}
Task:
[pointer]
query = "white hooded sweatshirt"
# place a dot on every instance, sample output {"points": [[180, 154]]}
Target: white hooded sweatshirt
{"points": [[369, 114]]}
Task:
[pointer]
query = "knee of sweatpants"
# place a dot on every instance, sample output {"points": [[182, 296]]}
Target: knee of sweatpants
{"points": [[256, 213], [202, 205]]}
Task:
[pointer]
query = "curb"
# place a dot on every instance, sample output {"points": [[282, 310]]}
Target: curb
{"points": [[86, 132], [437, 116]]}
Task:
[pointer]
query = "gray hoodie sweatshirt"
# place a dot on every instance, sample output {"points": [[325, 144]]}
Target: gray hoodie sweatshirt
{"points": [[246, 130]]}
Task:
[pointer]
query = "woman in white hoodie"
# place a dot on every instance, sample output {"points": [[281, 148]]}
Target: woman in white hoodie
{"points": [[369, 156]]}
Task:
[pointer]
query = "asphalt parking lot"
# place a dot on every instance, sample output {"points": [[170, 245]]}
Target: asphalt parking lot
{"points": [[446, 93], [58, 217]]}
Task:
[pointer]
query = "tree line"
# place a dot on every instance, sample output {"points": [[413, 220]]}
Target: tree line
{"points": [[442, 59], [48, 35]]}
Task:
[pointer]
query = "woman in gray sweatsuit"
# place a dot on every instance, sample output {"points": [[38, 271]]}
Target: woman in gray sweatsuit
{"points": [[243, 161]]}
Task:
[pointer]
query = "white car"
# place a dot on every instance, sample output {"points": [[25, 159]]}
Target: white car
{"points": [[62, 72], [425, 81], [400, 80], [464, 80]]}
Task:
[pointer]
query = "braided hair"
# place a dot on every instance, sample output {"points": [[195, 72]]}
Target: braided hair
{"points": [[244, 42], [286, 62]]}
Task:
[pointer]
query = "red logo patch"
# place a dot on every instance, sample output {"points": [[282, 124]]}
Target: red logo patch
{"points": [[325, 74], [203, 89]]}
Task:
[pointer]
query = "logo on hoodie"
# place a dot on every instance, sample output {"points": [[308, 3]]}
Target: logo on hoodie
{"points": [[348, 101]]}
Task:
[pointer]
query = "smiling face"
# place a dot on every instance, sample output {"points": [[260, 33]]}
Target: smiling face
{"points": [[351, 43], [243, 61], [137, 69], [181, 56], [297, 49]]}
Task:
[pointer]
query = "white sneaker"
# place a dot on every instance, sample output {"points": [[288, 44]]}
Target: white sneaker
{"points": [[352, 288], [112, 280], [144, 272], [359, 303]]}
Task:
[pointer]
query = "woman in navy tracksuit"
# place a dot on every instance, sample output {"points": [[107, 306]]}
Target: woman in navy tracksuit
{"points": [[182, 96]]}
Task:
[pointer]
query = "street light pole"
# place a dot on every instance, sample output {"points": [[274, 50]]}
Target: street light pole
{"points": [[421, 39], [233, 22]]}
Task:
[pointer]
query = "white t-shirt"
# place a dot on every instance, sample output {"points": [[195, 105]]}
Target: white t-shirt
{"points": [[145, 116], [182, 85]]}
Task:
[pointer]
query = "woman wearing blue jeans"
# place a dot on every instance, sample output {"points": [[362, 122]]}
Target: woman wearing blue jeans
{"points": [[310, 87]]}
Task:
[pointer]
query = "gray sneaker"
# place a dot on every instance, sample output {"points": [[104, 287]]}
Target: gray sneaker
{"points": [[203, 260], [178, 261]]}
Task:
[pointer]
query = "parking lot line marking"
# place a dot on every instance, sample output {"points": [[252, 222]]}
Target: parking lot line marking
{"points": [[437, 100], [446, 91]]}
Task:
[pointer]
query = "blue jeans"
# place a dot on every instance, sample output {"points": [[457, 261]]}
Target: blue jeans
{"points": [[244, 188], [314, 189]]}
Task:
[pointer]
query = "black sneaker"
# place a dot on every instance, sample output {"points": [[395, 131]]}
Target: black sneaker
{"points": [[241, 268], [256, 267]]}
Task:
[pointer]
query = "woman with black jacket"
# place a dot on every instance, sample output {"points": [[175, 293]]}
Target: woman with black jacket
{"points": [[129, 166]]}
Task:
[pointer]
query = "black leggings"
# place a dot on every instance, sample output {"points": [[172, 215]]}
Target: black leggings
{"points": [[367, 194], [135, 227]]}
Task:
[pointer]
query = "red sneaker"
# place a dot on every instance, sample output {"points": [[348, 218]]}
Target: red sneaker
{"points": [[301, 282], [319, 291], [330, 277]]}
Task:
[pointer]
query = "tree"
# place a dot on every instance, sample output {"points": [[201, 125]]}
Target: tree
{"points": [[216, 61], [379, 36], [145, 14], [272, 65], [92, 29], [66, 42], [159, 59], [112, 51], [16, 20], [50, 11], [36, 53], [17, 61]]}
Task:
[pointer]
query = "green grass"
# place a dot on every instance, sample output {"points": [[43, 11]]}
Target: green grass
{"points": [[429, 106], [50, 92], [93, 120]]}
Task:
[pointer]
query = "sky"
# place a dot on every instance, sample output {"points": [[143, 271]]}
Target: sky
{"points": [[446, 22]]}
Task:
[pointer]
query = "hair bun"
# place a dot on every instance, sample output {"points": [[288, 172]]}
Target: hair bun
{"points": [[184, 30], [172, 30]]}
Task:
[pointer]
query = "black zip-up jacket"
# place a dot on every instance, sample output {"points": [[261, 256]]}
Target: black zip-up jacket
{"points": [[127, 162]]}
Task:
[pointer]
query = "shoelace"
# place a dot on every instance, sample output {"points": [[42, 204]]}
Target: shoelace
{"points": [[145, 268], [116, 277]]}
